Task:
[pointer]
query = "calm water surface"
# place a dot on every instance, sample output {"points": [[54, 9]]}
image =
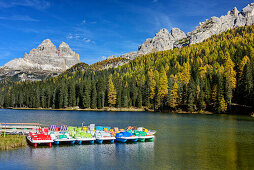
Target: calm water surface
{"points": [[183, 141]]}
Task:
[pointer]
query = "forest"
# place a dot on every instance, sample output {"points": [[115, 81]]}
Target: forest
{"points": [[210, 76]]}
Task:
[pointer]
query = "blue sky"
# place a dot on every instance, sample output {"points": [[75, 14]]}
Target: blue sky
{"points": [[98, 28]]}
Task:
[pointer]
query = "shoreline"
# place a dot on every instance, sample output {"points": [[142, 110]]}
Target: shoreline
{"points": [[107, 109], [113, 109], [131, 109]]}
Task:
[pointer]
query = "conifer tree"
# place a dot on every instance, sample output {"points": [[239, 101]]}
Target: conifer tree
{"points": [[111, 92], [174, 96], [94, 96], [163, 87]]}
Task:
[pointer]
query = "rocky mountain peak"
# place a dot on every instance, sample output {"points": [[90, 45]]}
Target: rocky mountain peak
{"points": [[45, 58], [248, 11], [63, 45], [162, 33], [165, 40], [46, 43], [177, 34], [46, 46], [233, 12]]}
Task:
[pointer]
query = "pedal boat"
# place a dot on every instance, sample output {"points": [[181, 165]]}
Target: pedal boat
{"points": [[62, 137], [144, 135], [126, 136], [102, 136], [35, 139]]}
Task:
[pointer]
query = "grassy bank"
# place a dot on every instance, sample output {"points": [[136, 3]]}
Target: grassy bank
{"points": [[10, 142]]}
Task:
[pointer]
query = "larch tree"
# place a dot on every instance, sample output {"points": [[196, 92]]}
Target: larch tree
{"points": [[111, 91], [174, 96], [163, 87]]}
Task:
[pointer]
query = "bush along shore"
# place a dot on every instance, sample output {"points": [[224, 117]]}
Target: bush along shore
{"points": [[9, 142]]}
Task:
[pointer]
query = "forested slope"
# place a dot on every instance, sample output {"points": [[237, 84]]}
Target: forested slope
{"points": [[207, 76]]}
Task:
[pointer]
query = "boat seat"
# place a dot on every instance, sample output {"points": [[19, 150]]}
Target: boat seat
{"points": [[116, 130], [106, 130]]}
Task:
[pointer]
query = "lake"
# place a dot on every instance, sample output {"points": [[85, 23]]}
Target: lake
{"points": [[183, 141]]}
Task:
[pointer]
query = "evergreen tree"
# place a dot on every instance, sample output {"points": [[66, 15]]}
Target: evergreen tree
{"points": [[94, 96]]}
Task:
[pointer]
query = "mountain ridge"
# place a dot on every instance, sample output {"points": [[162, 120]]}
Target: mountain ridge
{"points": [[63, 58], [166, 40]]}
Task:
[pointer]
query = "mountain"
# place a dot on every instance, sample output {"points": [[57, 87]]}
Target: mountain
{"points": [[165, 40], [216, 75], [41, 62], [46, 61]]}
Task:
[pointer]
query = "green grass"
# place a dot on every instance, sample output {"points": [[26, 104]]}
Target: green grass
{"points": [[12, 142]]}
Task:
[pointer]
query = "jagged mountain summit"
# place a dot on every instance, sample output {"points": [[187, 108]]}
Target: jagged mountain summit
{"points": [[165, 40], [45, 58], [44, 61]]}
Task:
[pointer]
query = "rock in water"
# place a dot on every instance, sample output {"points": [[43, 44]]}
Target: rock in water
{"points": [[45, 57]]}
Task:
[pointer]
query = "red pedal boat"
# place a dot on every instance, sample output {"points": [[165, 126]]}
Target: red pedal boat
{"points": [[42, 137]]}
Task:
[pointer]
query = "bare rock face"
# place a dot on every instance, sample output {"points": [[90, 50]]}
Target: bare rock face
{"points": [[45, 57], [130, 55], [70, 57], [215, 25], [163, 40]]}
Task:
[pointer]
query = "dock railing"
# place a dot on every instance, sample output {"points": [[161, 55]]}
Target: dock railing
{"points": [[18, 128]]}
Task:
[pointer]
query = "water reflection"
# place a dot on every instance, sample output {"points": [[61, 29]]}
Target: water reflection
{"points": [[182, 142]]}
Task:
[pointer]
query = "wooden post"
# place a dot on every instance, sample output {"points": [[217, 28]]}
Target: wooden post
{"points": [[5, 130]]}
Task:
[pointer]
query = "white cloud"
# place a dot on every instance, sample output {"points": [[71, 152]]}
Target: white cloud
{"points": [[18, 18], [37, 4], [86, 40], [78, 37], [69, 37]]}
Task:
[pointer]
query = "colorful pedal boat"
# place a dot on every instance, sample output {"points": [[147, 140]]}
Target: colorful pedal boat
{"points": [[126, 136], [83, 136], [143, 136], [102, 136], [37, 139], [62, 137]]}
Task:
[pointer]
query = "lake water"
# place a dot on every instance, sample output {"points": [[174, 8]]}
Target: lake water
{"points": [[183, 141]]}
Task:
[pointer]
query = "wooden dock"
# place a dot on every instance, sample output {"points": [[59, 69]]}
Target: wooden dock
{"points": [[18, 128]]}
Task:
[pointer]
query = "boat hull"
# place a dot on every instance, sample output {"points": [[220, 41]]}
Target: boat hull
{"points": [[80, 140], [98, 141], [35, 143], [58, 141], [148, 138], [105, 139], [129, 139], [141, 139], [133, 140], [121, 140]]}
